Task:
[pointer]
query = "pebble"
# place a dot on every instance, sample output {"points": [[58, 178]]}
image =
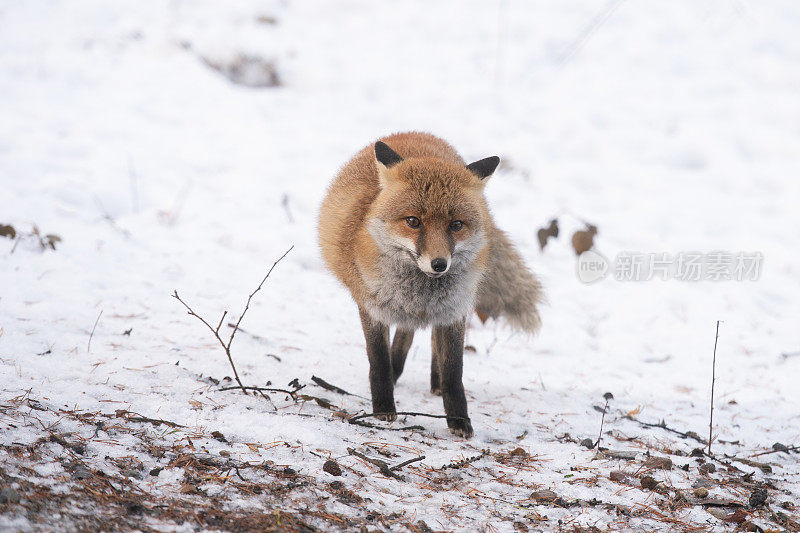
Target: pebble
{"points": [[518, 452], [81, 472], [665, 463], [545, 495], [332, 467], [9, 495], [707, 468], [648, 482], [717, 512], [587, 443], [701, 492], [132, 473], [758, 497], [705, 483], [619, 476]]}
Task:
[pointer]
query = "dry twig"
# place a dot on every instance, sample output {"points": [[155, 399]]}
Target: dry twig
{"points": [[215, 330], [383, 466], [331, 387], [89, 344], [608, 396], [465, 461], [353, 419], [406, 463], [713, 379]]}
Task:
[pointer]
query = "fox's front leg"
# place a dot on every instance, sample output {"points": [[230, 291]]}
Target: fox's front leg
{"points": [[448, 347], [381, 382], [400, 346]]}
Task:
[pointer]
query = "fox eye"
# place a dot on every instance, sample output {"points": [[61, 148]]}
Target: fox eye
{"points": [[412, 222], [456, 225]]}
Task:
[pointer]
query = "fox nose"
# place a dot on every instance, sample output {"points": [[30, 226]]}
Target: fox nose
{"points": [[439, 264]]}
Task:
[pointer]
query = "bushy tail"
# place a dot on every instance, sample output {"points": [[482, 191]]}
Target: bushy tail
{"points": [[508, 288]]}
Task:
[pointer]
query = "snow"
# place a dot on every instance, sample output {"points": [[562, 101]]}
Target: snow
{"points": [[672, 126]]}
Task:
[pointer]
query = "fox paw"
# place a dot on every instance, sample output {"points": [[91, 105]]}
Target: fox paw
{"points": [[387, 415], [461, 428]]}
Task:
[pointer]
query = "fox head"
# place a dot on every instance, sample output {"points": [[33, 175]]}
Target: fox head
{"points": [[431, 209]]}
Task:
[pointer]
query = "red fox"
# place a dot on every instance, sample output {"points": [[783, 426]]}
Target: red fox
{"points": [[405, 226]]}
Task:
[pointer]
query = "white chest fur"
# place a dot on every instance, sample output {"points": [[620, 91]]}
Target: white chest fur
{"points": [[402, 294]]}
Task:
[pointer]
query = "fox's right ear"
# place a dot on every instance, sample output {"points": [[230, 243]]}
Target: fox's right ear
{"points": [[385, 159]]}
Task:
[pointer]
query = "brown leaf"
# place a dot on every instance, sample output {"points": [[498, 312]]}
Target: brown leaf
{"points": [[8, 231], [583, 241]]}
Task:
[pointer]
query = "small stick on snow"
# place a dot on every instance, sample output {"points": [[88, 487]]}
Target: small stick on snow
{"points": [[333, 388], [89, 344], [215, 331], [291, 393], [406, 463], [608, 396], [466, 461], [383, 466], [713, 379], [405, 413]]}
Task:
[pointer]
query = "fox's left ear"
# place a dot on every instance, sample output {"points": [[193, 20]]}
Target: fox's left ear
{"points": [[485, 167]]}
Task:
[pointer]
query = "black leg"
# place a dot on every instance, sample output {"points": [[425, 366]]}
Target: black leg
{"points": [[436, 387], [381, 383], [400, 346], [448, 341]]}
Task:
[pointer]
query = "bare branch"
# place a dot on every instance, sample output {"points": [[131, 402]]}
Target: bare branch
{"points": [[713, 379], [291, 393], [220, 321], [216, 336], [608, 397], [406, 463], [383, 466], [89, 344], [247, 305], [404, 413], [215, 331]]}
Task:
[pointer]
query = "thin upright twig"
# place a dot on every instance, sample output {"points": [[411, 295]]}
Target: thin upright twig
{"points": [[89, 344], [608, 397], [247, 305], [215, 331], [584, 35], [713, 379]]}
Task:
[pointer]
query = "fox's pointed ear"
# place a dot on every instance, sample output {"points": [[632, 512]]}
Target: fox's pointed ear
{"points": [[385, 155], [485, 167], [385, 159]]}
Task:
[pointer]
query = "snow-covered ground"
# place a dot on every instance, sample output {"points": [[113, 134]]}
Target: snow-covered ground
{"points": [[672, 126]]}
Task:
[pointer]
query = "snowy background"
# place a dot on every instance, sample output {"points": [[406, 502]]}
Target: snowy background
{"points": [[187, 145]]}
